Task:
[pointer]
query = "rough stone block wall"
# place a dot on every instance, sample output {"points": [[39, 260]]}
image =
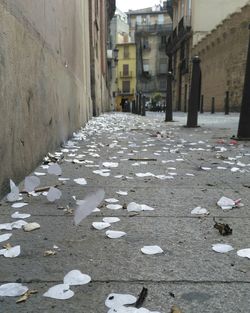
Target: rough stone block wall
{"points": [[223, 59], [44, 80]]}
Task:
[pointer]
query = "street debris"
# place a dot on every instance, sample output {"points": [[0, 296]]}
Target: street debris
{"points": [[5, 237], [85, 207], [60, 292], [26, 296], [19, 205], [222, 248], [113, 234], [151, 250], [31, 226], [14, 192], [142, 297], [111, 219], [244, 253], [49, 253], [100, 225], [10, 252], [114, 206], [31, 183], [175, 309], [224, 229], [135, 207], [80, 181], [228, 204], [76, 278], [199, 211], [12, 290], [20, 215]]}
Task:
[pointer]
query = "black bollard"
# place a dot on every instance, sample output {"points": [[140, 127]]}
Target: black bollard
{"points": [[227, 103], [194, 98], [213, 106], [202, 104], [244, 122], [169, 105], [143, 110], [139, 106]]}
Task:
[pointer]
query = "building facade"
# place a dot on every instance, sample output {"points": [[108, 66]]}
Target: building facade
{"points": [[45, 85], [192, 21], [149, 28], [125, 76]]}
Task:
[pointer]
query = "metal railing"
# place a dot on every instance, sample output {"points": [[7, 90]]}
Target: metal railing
{"points": [[126, 74]]}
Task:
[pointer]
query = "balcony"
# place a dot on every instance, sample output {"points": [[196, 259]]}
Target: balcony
{"points": [[127, 92], [155, 28], [126, 74]]}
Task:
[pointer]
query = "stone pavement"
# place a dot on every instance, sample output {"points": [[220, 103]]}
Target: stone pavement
{"points": [[188, 273]]}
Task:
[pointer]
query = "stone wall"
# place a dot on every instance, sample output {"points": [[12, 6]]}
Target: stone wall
{"points": [[223, 59], [44, 80]]}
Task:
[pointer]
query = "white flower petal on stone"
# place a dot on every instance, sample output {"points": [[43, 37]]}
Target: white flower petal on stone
{"points": [[54, 194], [111, 220], [148, 174], [114, 206], [12, 290], [113, 234], [30, 183], [111, 200], [222, 248], [60, 292], [18, 205], [226, 203], [135, 207], [39, 174], [31, 226], [63, 178], [80, 181], [5, 237], [110, 164], [6, 226], [122, 193], [151, 250], [18, 224], [204, 168], [100, 225], [244, 253], [96, 210], [55, 169], [115, 300], [199, 211], [20, 215], [75, 278], [13, 252]]}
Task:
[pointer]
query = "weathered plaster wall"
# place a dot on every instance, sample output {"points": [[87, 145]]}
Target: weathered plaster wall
{"points": [[44, 80]]}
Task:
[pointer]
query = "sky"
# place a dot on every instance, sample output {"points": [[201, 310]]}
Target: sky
{"points": [[125, 5]]}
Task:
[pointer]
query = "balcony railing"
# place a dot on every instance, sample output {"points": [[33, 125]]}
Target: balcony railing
{"points": [[126, 74], [161, 28], [125, 92]]}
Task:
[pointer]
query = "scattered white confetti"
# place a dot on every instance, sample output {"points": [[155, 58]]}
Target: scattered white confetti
{"points": [[200, 211], [20, 215], [18, 205], [100, 225], [222, 248], [102, 173], [115, 300], [5, 237], [14, 192], [114, 206], [18, 224], [111, 200], [76, 278], [80, 181], [55, 169], [113, 234], [111, 220], [148, 174], [135, 207], [39, 174], [244, 253], [122, 193], [12, 290], [31, 183], [204, 168], [31, 226], [234, 169], [12, 252], [151, 250], [6, 226], [61, 292], [226, 203], [54, 194], [63, 178], [96, 210], [110, 164]]}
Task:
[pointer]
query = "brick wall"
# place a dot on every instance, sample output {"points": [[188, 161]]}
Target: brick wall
{"points": [[223, 59]]}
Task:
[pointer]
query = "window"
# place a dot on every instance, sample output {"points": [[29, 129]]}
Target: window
{"points": [[125, 69], [146, 66], [163, 40], [163, 84], [145, 43], [126, 86], [126, 52], [163, 66], [138, 19], [160, 19]]}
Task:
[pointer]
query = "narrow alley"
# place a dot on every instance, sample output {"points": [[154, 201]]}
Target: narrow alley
{"points": [[154, 174]]}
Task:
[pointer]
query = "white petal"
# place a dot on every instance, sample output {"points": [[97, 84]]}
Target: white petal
{"points": [[245, 253], [5, 237], [31, 182], [222, 248], [63, 179], [75, 277], [114, 206], [122, 193], [151, 250], [18, 224], [54, 194], [55, 169], [18, 205], [111, 200], [80, 181], [135, 207], [61, 292], [39, 174], [100, 225], [12, 252], [111, 219], [110, 164], [20, 215], [113, 234], [115, 300], [226, 203], [31, 226], [199, 211], [12, 290], [14, 192], [6, 226]]}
